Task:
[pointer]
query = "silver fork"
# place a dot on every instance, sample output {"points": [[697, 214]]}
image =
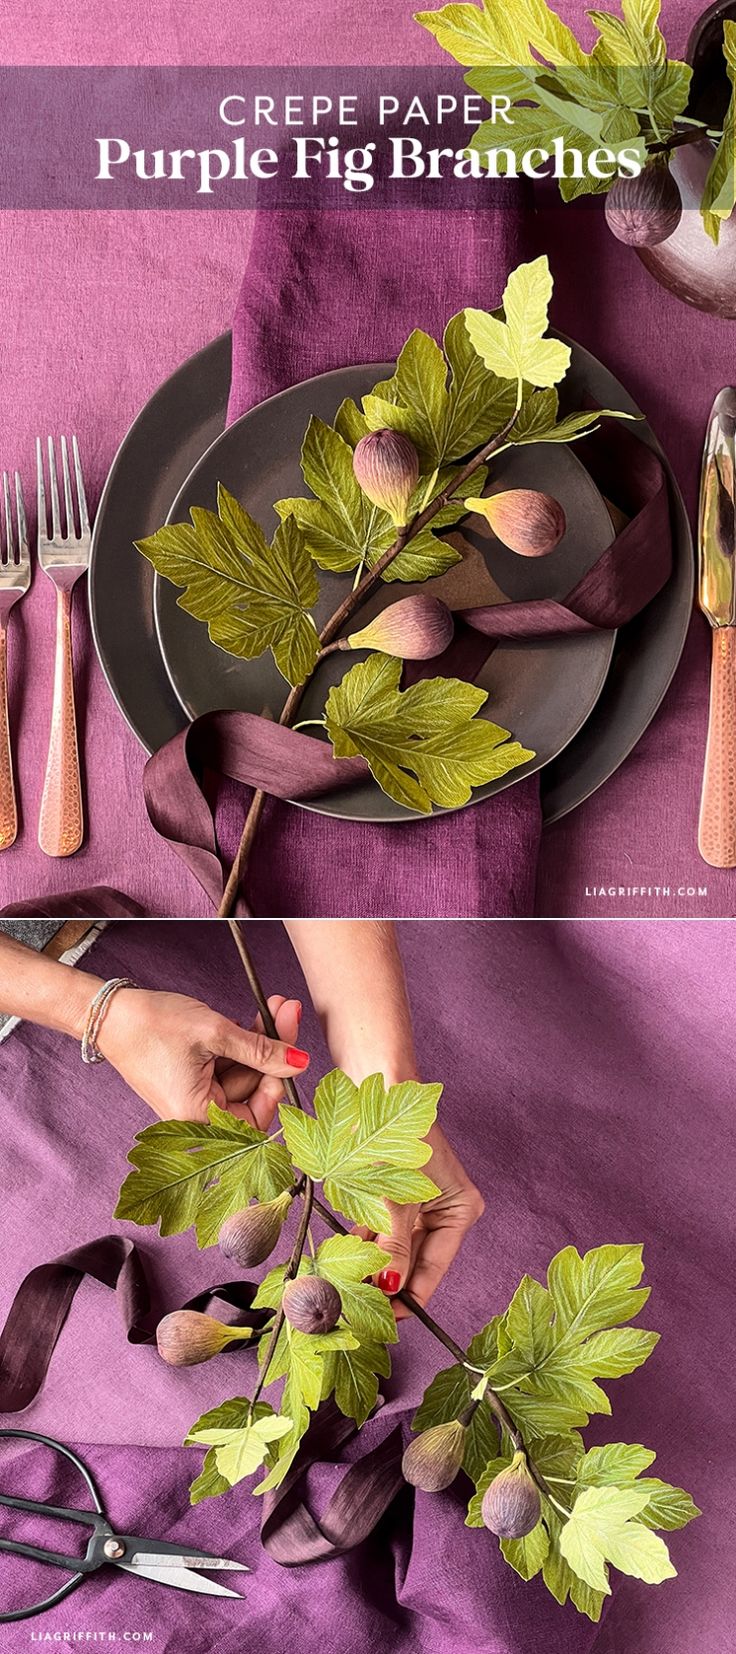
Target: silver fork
{"points": [[63, 557], [15, 578]]}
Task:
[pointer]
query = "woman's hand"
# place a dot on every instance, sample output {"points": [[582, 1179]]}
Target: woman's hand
{"points": [[424, 1240], [179, 1055], [356, 982]]}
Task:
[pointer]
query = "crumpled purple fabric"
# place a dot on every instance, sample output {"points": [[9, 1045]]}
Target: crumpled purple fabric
{"points": [[587, 1080]]}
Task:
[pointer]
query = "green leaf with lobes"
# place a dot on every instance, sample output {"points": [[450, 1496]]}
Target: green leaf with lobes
{"points": [[445, 421], [191, 1173], [620, 1465], [546, 1351], [566, 1336], [501, 35], [253, 596], [357, 1129], [602, 1528], [239, 1439], [423, 745], [240, 1450], [516, 348], [633, 51], [618, 97]]}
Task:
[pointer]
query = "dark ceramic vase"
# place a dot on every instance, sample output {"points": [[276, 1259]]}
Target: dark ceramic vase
{"points": [[688, 264]]}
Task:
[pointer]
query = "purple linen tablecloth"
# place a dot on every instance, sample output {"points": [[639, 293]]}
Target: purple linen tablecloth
{"points": [[587, 1073], [118, 299]]}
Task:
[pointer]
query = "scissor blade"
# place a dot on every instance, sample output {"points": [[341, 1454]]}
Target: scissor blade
{"points": [[164, 1559], [183, 1578]]}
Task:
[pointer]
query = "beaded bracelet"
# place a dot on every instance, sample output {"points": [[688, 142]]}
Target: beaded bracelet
{"points": [[95, 1016]]}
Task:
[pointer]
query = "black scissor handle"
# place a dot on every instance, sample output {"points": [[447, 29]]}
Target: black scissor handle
{"points": [[86, 1518], [94, 1518], [36, 1553]]}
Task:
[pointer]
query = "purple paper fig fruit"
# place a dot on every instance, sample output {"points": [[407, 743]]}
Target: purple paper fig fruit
{"points": [[311, 1304], [527, 521], [185, 1337], [249, 1237], [644, 211], [386, 466], [414, 628], [431, 1462], [511, 1506]]}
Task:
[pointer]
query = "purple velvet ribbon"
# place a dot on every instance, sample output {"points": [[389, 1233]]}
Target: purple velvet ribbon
{"points": [[99, 902], [288, 764], [290, 1532]]}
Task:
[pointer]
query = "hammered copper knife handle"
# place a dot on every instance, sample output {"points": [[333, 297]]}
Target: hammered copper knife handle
{"points": [[61, 822], [8, 809], [717, 829]]}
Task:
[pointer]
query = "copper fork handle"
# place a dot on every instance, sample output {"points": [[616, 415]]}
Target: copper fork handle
{"points": [[8, 809], [717, 828], [61, 823]]}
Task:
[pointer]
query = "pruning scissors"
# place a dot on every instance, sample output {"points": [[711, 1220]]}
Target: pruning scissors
{"points": [[148, 1558]]}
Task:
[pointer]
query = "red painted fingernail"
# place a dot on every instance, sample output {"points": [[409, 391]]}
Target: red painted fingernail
{"points": [[295, 1058], [389, 1280], [299, 1012]]}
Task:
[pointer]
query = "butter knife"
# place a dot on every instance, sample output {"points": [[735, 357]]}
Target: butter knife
{"points": [[717, 599]]}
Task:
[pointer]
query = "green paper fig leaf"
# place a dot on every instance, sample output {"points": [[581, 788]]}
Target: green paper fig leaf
{"points": [[448, 402], [188, 1172], [516, 348], [355, 1130], [424, 745], [253, 596], [238, 1438], [601, 1529]]}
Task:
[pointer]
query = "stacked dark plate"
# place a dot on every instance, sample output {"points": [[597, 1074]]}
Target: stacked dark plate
{"points": [[580, 703]]}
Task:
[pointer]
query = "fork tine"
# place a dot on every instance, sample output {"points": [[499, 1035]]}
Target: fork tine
{"points": [[43, 525], [83, 513], [8, 553], [53, 485], [24, 557], [70, 525]]}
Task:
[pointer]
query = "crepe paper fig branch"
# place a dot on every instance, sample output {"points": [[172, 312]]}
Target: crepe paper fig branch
{"points": [[343, 614], [386, 480], [508, 1412], [292, 1092], [625, 101]]}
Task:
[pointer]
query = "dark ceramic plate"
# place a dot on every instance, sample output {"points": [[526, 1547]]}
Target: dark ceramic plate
{"points": [[541, 691], [168, 438]]}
